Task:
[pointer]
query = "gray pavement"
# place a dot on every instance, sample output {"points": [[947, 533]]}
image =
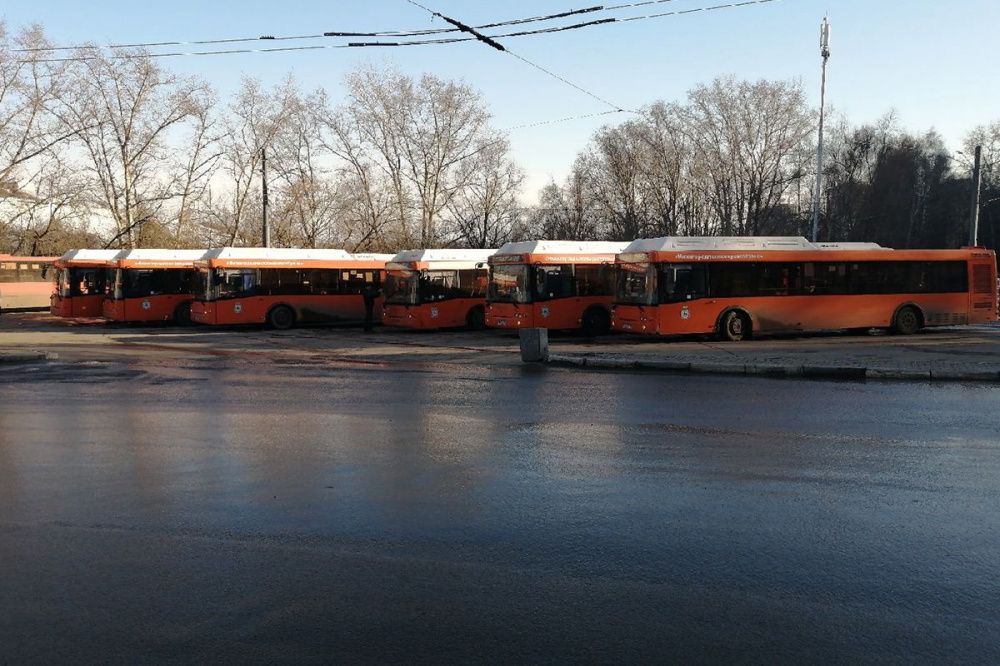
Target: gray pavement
{"points": [[947, 354], [164, 506], [25, 357]]}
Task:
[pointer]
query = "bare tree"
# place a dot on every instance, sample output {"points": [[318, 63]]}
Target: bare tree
{"points": [[255, 118], [40, 190], [485, 212], [667, 159], [744, 136], [373, 206], [50, 208], [567, 212], [29, 85], [421, 132], [196, 163], [613, 170], [125, 109], [309, 202]]}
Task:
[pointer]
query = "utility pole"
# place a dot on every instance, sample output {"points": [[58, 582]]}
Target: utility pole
{"points": [[977, 177], [266, 232], [824, 51]]}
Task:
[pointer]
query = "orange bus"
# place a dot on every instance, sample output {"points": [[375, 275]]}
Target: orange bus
{"points": [[552, 284], [153, 285], [735, 287], [283, 287], [25, 283], [433, 289], [83, 278]]}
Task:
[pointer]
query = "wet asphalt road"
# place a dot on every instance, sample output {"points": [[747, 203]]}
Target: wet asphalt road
{"points": [[266, 512]]}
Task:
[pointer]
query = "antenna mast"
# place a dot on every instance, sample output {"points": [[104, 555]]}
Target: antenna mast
{"points": [[824, 51]]}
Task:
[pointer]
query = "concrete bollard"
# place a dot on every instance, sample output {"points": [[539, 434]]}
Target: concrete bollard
{"points": [[534, 345]]}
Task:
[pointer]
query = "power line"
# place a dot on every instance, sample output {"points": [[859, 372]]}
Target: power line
{"points": [[695, 10], [637, 4], [554, 121], [334, 33], [339, 33], [375, 44], [600, 99], [489, 41]]}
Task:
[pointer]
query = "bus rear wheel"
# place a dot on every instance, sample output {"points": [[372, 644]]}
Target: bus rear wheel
{"points": [[595, 322], [735, 326], [476, 319], [281, 318], [907, 321], [182, 314]]}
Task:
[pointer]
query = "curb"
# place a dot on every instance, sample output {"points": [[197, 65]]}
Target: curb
{"points": [[8, 358], [804, 371]]}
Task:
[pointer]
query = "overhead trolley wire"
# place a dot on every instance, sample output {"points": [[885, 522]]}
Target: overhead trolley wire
{"points": [[600, 99], [332, 33], [489, 41], [695, 10], [485, 26], [567, 119], [367, 44], [451, 40], [342, 33], [194, 42]]}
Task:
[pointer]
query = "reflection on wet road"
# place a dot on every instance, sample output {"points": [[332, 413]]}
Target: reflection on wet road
{"points": [[271, 512]]}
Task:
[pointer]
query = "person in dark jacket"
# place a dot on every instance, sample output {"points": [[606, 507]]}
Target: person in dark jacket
{"points": [[370, 293]]}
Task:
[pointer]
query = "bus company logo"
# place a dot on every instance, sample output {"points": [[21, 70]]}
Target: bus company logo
{"points": [[685, 313], [238, 308], [545, 312], [146, 305], [434, 313]]}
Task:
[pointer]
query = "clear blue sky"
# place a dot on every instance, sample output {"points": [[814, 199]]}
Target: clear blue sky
{"points": [[928, 59]]}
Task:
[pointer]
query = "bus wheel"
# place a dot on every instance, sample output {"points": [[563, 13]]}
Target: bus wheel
{"points": [[281, 317], [476, 319], [182, 314], [735, 326], [907, 321], [596, 322]]}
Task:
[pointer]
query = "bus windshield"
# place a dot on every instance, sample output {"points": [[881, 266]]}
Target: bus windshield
{"points": [[63, 282], [233, 283], [509, 283], [401, 287], [82, 281], [636, 284], [199, 284], [139, 283]]}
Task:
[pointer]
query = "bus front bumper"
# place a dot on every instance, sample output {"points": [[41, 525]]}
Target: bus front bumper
{"points": [[113, 310], [509, 315], [203, 312], [59, 306], [401, 316], [633, 319]]}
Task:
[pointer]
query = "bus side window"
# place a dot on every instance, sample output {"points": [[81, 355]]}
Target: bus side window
{"points": [[594, 280], [778, 279], [691, 282], [554, 281], [471, 283]]}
